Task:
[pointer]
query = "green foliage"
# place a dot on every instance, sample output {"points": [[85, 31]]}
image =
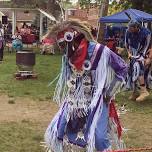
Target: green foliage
{"points": [[143, 5], [115, 7], [66, 4], [87, 3], [84, 3]]}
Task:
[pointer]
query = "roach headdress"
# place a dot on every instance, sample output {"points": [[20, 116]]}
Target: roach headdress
{"points": [[74, 26]]}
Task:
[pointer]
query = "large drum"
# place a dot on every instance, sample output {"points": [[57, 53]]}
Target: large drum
{"points": [[25, 60]]}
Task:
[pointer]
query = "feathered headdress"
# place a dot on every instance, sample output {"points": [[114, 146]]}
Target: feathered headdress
{"points": [[70, 25]]}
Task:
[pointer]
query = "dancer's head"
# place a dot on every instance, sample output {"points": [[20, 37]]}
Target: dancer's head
{"points": [[70, 34], [134, 26]]}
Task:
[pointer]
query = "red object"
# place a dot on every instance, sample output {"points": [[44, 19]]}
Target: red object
{"points": [[28, 38], [48, 41], [113, 114], [79, 55], [111, 44], [60, 36]]}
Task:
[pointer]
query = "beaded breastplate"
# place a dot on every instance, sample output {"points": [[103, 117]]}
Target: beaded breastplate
{"points": [[79, 92]]}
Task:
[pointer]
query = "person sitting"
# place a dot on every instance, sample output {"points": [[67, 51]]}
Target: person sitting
{"points": [[17, 42], [47, 46], [25, 30]]}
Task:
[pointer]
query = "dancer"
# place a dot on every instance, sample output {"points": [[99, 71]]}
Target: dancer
{"points": [[90, 76], [137, 42]]}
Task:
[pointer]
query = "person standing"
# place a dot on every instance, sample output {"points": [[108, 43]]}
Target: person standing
{"points": [[1, 42], [137, 41]]}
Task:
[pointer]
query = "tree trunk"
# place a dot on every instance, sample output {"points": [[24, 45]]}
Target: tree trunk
{"points": [[101, 26], [54, 8]]}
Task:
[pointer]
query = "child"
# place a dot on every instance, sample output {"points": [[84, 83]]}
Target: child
{"points": [[17, 42]]}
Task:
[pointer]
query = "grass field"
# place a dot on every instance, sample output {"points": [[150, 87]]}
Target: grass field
{"points": [[26, 108], [47, 68]]}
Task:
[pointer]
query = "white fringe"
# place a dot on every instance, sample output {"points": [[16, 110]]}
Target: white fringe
{"points": [[91, 136], [104, 75], [61, 87], [101, 80], [50, 136], [100, 76], [117, 143]]}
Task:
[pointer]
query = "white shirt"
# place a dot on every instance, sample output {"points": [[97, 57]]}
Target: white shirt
{"points": [[1, 32]]}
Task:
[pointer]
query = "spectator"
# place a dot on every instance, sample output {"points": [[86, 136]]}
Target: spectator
{"points": [[25, 30], [17, 42], [94, 32], [47, 46], [1, 42]]}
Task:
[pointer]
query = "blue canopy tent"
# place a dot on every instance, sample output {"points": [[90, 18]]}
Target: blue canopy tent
{"points": [[126, 15]]}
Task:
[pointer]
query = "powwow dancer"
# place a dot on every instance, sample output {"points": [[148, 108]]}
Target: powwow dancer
{"points": [[137, 41], [90, 76]]}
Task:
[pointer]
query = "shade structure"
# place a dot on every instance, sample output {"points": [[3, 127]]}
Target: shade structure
{"points": [[127, 15]]}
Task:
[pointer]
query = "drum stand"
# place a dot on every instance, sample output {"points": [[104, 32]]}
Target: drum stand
{"points": [[22, 75]]}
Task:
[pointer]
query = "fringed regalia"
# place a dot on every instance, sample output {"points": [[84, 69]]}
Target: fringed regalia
{"points": [[87, 116]]}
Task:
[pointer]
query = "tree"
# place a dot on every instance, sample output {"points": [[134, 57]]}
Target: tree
{"points": [[115, 6], [54, 8], [66, 4], [145, 5], [103, 6], [87, 3], [51, 6], [84, 3], [29, 3], [103, 12]]}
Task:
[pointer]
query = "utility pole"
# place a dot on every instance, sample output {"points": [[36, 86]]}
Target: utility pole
{"points": [[101, 26]]}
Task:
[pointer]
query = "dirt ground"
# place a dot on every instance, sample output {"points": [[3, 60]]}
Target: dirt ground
{"points": [[19, 109]]}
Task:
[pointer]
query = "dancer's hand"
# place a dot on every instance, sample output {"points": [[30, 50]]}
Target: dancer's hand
{"points": [[129, 55]]}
